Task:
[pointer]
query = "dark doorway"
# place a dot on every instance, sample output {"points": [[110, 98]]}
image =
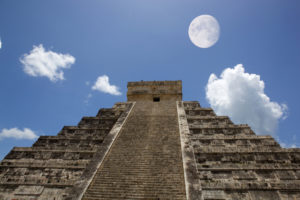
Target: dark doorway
{"points": [[156, 99]]}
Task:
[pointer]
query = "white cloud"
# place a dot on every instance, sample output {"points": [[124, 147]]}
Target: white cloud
{"points": [[40, 62], [87, 99], [18, 134], [241, 96], [0, 43], [289, 144], [102, 84], [284, 145]]}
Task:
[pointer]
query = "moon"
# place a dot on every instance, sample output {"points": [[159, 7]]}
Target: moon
{"points": [[204, 31]]}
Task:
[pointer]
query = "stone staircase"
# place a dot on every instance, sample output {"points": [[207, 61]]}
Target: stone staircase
{"points": [[145, 161]]}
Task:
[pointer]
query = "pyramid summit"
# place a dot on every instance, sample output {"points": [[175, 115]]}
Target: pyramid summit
{"points": [[154, 146]]}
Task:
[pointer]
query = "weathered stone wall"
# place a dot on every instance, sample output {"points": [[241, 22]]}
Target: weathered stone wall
{"points": [[234, 163], [147, 90], [54, 163]]}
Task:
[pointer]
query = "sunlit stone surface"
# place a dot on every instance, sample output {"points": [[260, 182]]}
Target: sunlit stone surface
{"points": [[155, 146]]}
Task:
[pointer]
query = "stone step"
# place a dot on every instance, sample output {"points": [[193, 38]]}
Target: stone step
{"points": [[209, 121], [240, 168], [247, 165], [75, 138], [76, 128], [191, 104], [231, 130], [250, 158], [283, 185], [247, 150], [50, 163], [31, 149], [36, 166], [45, 154], [131, 196], [199, 112], [84, 132], [198, 109], [228, 126], [208, 117], [257, 174], [66, 143], [237, 149], [96, 126], [108, 112], [97, 121], [231, 137], [231, 144], [59, 185]]}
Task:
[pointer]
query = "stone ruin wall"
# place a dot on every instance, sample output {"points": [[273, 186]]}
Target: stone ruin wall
{"points": [[53, 164], [232, 162], [147, 90]]}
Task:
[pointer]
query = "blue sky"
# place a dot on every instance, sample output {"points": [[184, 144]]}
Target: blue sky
{"points": [[137, 40]]}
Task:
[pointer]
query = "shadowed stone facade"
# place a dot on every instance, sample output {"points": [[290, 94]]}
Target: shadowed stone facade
{"points": [[155, 146]]}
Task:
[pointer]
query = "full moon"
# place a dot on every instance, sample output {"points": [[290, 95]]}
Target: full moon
{"points": [[204, 31]]}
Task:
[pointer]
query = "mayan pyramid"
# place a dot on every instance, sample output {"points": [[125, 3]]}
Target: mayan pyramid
{"points": [[154, 146]]}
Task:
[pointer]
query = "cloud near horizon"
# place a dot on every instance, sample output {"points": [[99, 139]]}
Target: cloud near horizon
{"points": [[241, 96], [17, 134], [102, 84], [40, 62]]}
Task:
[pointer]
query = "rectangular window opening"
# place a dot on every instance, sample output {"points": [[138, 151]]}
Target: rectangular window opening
{"points": [[156, 99]]}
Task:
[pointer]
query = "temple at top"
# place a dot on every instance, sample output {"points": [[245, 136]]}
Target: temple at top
{"points": [[154, 146], [154, 91]]}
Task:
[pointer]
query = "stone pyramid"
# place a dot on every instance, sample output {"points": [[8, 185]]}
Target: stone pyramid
{"points": [[154, 146]]}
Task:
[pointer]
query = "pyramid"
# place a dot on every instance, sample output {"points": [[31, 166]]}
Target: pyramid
{"points": [[154, 146]]}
